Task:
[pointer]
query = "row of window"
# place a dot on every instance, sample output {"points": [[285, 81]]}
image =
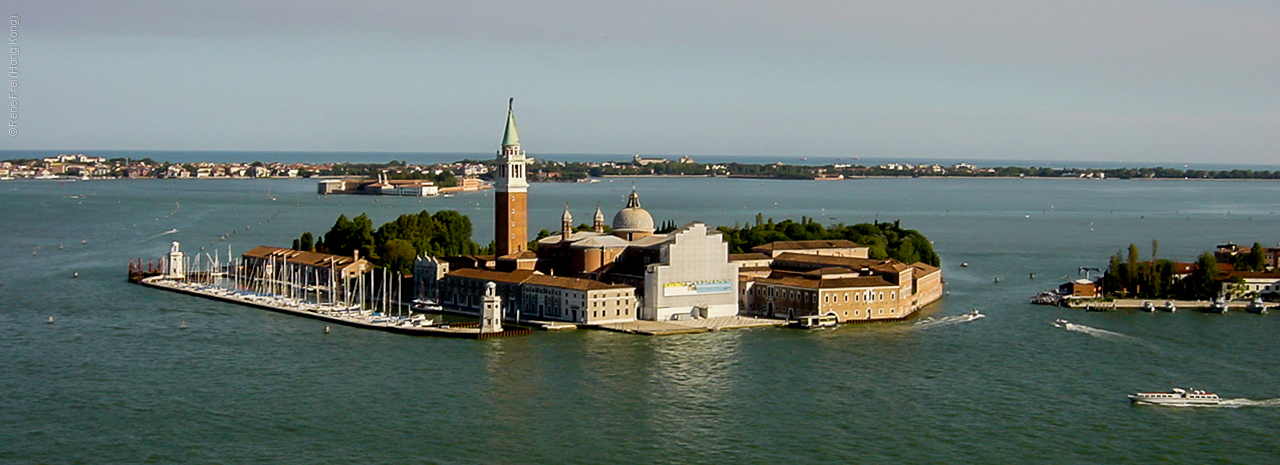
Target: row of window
{"points": [[618, 312], [868, 296], [856, 313]]}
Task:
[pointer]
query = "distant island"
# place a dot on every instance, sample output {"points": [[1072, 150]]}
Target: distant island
{"points": [[1230, 272], [447, 175]]}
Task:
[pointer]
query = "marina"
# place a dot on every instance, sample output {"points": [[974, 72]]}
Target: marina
{"points": [[416, 325]]}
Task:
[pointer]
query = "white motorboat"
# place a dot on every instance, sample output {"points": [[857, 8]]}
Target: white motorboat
{"points": [[1169, 307], [816, 321], [1176, 397]]}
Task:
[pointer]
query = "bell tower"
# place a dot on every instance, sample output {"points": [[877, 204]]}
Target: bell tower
{"points": [[511, 226]]}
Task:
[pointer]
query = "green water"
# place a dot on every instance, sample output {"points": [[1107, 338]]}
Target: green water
{"points": [[113, 379]]}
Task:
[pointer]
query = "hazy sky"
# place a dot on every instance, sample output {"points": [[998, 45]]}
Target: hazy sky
{"points": [[1116, 80]]}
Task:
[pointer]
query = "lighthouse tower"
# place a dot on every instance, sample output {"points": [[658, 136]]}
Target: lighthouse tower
{"points": [[175, 265], [491, 311], [510, 217]]}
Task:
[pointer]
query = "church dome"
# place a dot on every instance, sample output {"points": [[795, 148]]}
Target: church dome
{"points": [[633, 219]]}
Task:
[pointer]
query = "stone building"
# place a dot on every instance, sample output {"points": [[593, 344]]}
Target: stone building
{"points": [[852, 289]]}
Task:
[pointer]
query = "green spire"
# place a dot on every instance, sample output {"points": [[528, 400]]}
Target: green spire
{"points": [[510, 137]]}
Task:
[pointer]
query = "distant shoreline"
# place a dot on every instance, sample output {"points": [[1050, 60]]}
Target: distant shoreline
{"points": [[88, 167]]}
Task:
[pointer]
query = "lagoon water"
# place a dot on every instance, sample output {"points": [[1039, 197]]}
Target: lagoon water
{"points": [[114, 380]]}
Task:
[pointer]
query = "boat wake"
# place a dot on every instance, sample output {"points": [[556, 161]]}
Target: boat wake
{"points": [[1100, 333], [947, 320], [1229, 403], [166, 233]]}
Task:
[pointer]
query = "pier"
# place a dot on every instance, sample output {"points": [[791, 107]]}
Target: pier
{"points": [[330, 313], [1137, 304]]}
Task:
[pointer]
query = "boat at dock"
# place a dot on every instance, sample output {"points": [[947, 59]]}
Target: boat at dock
{"points": [[1257, 306], [1169, 307], [816, 322], [1147, 306], [1176, 397], [1219, 305]]}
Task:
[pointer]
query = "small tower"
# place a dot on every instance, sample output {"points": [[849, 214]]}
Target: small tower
{"points": [[598, 223], [566, 224], [491, 315], [175, 265]]}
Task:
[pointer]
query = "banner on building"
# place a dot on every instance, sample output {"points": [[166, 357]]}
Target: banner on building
{"points": [[696, 288]]}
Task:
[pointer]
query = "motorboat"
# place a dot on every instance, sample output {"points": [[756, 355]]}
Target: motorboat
{"points": [[1176, 397], [1257, 306], [1147, 306], [1219, 305], [816, 321], [1169, 307], [1048, 297]]}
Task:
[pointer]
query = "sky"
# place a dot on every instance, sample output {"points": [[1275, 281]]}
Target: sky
{"points": [[1115, 80]]}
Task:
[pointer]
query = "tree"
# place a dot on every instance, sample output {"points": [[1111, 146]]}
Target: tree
{"points": [[306, 242], [397, 255], [1113, 279], [1132, 272], [1256, 260], [1202, 284]]}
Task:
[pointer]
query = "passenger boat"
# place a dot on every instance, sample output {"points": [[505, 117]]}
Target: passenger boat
{"points": [[1049, 297], [1218, 306], [1169, 307], [1257, 306], [1147, 306], [816, 321], [1176, 397]]}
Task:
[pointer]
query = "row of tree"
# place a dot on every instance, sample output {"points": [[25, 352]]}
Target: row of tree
{"points": [[885, 240], [1156, 278], [396, 243]]}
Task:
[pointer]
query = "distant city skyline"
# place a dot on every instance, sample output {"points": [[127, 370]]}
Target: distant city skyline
{"points": [[1115, 81]]}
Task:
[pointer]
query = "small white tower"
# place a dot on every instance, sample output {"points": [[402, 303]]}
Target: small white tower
{"points": [[598, 221], [491, 315], [176, 265], [566, 224]]}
